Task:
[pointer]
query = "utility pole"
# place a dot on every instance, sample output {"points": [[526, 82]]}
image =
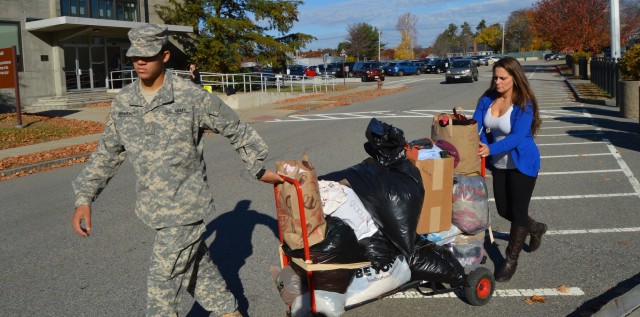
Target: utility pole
{"points": [[503, 27], [379, 43], [615, 29]]}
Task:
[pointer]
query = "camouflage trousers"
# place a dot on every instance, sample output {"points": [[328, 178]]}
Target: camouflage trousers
{"points": [[181, 260]]}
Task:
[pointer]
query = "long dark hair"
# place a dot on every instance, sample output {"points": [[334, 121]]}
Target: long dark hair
{"points": [[522, 94]]}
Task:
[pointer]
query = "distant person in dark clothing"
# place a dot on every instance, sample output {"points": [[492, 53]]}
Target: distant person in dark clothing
{"points": [[195, 74]]}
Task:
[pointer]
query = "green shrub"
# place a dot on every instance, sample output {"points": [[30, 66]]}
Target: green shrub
{"points": [[576, 56], [630, 64]]}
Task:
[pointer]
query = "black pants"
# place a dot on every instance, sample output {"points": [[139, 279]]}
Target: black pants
{"points": [[512, 191]]}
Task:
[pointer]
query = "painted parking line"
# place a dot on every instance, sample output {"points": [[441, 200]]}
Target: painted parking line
{"points": [[575, 155], [521, 292], [501, 235], [571, 134], [585, 196]]}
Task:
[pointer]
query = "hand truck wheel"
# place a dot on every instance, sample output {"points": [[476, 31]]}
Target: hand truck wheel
{"points": [[481, 286]]}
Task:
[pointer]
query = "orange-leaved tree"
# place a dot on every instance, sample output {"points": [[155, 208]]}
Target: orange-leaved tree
{"points": [[573, 25]]}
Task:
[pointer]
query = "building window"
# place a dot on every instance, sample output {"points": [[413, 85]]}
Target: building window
{"points": [[10, 36], [122, 10]]}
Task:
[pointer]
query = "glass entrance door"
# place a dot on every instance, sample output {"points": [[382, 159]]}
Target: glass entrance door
{"points": [[84, 66], [98, 66], [84, 72]]}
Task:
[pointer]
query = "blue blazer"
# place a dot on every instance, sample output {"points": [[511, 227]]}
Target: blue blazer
{"points": [[519, 142]]}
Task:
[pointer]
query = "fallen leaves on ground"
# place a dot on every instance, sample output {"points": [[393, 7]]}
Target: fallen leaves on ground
{"points": [[344, 100], [533, 299], [563, 289], [37, 129], [99, 104], [45, 156]]}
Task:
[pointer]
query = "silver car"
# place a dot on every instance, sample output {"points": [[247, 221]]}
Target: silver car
{"points": [[462, 70]]}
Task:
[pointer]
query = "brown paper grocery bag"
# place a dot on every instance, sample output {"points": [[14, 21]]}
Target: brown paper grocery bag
{"points": [[287, 203], [466, 140]]}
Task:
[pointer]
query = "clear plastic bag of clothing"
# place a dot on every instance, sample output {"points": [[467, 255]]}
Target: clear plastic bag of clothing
{"points": [[470, 204]]}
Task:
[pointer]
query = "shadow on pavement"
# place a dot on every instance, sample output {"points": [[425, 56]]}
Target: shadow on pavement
{"points": [[232, 246], [621, 132], [593, 305], [57, 113]]}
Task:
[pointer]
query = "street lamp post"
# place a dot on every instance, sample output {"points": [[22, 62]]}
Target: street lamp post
{"points": [[344, 71], [503, 26], [615, 29]]}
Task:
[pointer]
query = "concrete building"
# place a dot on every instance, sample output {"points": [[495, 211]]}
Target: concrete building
{"points": [[71, 45]]}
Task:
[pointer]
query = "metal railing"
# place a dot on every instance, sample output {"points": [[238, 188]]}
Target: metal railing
{"points": [[605, 73], [120, 78], [242, 82]]}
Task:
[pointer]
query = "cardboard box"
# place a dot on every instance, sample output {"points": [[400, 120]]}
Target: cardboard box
{"points": [[437, 179]]}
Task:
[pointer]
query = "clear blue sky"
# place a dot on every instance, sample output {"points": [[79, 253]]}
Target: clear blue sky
{"points": [[328, 20]]}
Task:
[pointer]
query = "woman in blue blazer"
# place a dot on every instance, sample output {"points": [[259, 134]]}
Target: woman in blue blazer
{"points": [[508, 119]]}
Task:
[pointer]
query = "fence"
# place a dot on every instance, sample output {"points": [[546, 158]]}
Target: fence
{"points": [[243, 82], [605, 73]]}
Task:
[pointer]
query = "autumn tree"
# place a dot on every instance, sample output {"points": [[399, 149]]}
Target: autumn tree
{"points": [[387, 54], [629, 20], [573, 25], [518, 31], [406, 25], [492, 36], [362, 41], [227, 32]]}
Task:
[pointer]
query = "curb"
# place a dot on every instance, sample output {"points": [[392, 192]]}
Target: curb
{"points": [[26, 168]]}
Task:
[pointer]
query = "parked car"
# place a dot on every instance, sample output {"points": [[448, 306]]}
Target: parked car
{"points": [[311, 71], [330, 69], [475, 59], [437, 66], [422, 65], [559, 56], [401, 68], [371, 71], [547, 57], [296, 71], [462, 69], [485, 60], [495, 58], [348, 67]]}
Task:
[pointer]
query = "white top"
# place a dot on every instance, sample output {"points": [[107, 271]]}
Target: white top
{"points": [[500, 127]]}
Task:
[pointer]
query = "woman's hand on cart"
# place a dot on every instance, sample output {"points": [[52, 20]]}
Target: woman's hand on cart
{"points": [[271, 177], [483, 150]]}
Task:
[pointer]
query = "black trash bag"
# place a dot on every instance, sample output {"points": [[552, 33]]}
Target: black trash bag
{"points": [[393, 195], [385, 143], [433, 263], [340, 245], [378, 250]]}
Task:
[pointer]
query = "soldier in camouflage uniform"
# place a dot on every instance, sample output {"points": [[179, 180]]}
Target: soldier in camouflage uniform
{"points": [[158, 122]]}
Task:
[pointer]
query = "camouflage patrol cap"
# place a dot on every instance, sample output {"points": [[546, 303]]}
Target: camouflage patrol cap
{"points": [[147, 40]]}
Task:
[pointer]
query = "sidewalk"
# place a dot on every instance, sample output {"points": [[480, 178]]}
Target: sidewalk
{"points": [[304, 103]]}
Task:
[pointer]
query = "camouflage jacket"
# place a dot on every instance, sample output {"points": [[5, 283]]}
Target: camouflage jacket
{"points": [[163, 141]]}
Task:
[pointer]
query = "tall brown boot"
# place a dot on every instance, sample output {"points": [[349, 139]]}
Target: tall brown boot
{"points": [[517, 236], [536, 230]]}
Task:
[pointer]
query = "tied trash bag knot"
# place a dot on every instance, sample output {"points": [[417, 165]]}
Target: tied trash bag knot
{"points": [[385, 143]]}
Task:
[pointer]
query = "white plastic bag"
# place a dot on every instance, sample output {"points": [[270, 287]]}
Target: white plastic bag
{"points": [[368, 282], [329, 304], [288, 283], [353, 213]]}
